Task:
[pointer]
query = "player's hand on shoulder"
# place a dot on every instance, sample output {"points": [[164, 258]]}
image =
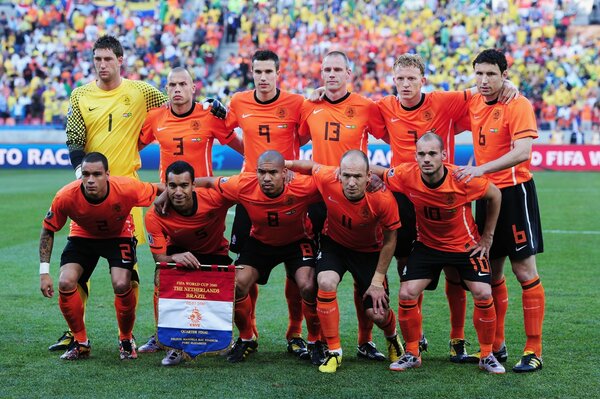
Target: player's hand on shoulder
{"points": [[375, 184], [46, 285], [317, 95], [161, 204], [289, 176], [508, 92], [216, 107], [467, 173]]}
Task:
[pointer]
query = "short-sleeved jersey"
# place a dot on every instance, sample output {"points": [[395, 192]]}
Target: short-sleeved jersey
{"points": [[495, 128], [200, 232], [110, 121], [357, 225], [275, 221], [188, 137], [437, 112], [108, 219], [444, 217], [269, 125], [338, 126]]}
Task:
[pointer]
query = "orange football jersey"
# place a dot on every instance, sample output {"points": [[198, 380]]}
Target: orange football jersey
{"points": [[109, 219], [437, 112], [188, 137], [338, 126], [275, 221], [355, 225], [201, 232], [270, 125], [444, 217], [495, 128]]}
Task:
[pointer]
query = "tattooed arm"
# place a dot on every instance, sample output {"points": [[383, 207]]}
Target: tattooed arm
{"points": [[46, 243]]}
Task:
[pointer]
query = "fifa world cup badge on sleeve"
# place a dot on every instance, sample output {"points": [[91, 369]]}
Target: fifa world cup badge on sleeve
{"points": [[195, 309]]}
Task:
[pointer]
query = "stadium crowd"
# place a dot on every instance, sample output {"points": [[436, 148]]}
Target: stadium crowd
{"points": [[557, 70]]}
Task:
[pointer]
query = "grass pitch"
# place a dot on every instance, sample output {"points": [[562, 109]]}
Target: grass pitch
{"points": [[31, 322]]}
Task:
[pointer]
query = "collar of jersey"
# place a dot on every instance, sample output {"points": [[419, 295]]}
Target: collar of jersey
{"points": [[339, 100], [421, 101], [268, 101], [185, 113], [439, 183]]}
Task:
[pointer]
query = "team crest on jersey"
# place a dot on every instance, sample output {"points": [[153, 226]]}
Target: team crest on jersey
{"points": [[49, 215], [289, 199], [427, 115], [195, 317], [195, 125], [450, 199], [365, 212], [117, 208], [496, 114], [126, 100], [281, 112], [350, 112]]}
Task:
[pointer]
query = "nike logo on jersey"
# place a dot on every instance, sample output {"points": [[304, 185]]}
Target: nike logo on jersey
{"points": [[160, 129], [394, 120], [91, 109], [307, 258], [520, 248], [482, 274], [316, 111], [332, 200], [411, 195], [244, 116]]}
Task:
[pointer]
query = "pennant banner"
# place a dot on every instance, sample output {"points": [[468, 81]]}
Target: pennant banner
{"points": [[195, 309]]}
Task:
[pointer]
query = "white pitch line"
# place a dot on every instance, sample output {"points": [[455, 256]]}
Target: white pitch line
{"points": [[585, 232]]}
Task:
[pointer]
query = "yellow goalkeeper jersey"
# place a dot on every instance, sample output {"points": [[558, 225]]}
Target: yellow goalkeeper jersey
{"points": [[110, 122]]}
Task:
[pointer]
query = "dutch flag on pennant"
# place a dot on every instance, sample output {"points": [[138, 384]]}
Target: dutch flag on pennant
{"points": [[195, 309]]}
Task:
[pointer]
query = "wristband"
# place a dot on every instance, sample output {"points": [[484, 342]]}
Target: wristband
{"points": [[44, 268], [378, 279]]}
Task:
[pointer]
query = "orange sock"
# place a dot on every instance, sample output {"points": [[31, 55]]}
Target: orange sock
{"points": [[329, 315], [389, 326], [420, 305], [500, 295], [155, 298], [484, 320], [313, 325], [71, 307], [457, 302], [125, 307], [243, 317], [534, 302], [365, 325], [294, 303], [253, 293], [410, 320]]}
